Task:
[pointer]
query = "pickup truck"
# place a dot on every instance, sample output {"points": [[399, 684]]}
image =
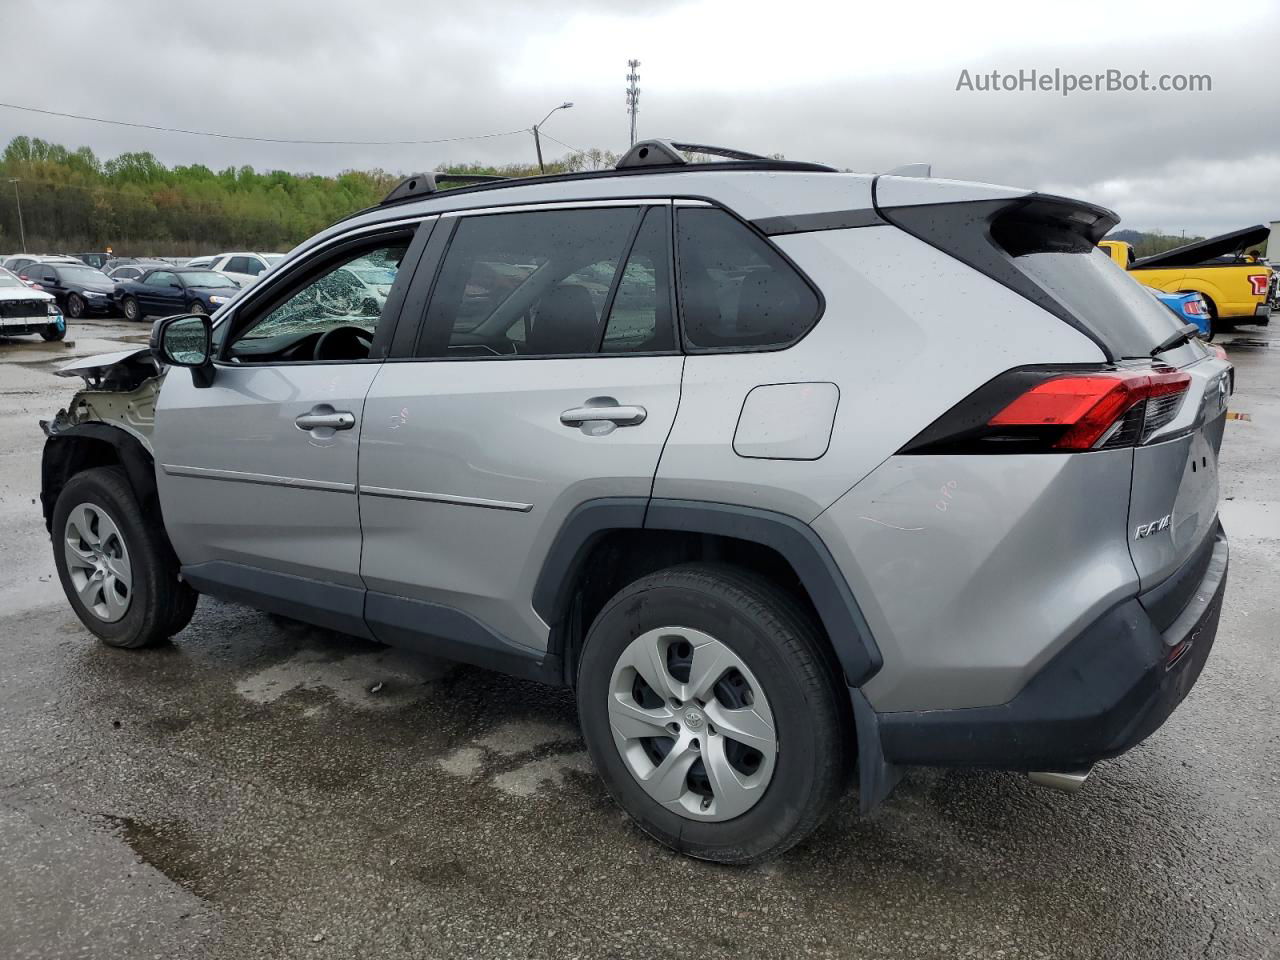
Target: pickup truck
{"points": [[1225, 270]]}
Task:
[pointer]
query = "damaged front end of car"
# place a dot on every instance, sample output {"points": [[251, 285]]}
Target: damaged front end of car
{"points": [[109, 421]]}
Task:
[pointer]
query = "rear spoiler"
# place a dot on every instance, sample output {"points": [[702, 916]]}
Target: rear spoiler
{"points": [[988, 234]]}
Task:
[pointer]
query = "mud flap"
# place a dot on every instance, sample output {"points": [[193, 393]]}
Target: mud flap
{"points": [[876, 777]]}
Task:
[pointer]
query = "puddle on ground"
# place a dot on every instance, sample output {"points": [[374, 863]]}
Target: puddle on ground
{"points": [[547, 753], [368, 681]]}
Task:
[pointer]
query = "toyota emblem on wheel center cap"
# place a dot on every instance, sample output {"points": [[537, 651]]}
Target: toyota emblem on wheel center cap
{"points": [[693, 719]]}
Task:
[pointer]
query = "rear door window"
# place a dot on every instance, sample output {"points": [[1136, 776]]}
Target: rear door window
{"points": [[547, 283], [736, 290]]}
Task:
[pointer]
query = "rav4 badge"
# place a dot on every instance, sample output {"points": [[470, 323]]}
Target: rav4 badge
{"points": [[1155, 526]]}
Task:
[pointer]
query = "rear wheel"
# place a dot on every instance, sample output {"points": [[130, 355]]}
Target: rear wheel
{"points": [[131, 309], [116, 568], [1216, 324], [710, 707]]}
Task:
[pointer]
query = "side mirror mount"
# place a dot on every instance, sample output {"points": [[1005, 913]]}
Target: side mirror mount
{"points": [[185, 341]]}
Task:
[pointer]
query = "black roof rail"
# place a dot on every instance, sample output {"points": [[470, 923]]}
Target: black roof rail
{"points": [[422, 184], [660, 156], [666, 153]]}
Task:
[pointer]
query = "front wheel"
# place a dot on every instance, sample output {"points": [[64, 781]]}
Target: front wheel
{"points": [[132, 311], [711, 709], [53, 333], [75, 306], [197, 308], [116, 567]]}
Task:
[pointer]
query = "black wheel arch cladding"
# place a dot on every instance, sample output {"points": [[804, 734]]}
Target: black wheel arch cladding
{"points": [[796, 542]]}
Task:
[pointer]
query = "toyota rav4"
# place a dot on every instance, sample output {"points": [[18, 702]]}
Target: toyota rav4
{"points": [[707, 443]]}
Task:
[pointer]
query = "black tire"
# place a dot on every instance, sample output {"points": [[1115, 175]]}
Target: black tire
{"points": [[75, 306], [1216, 324], [793, 664], [53, 333], [132, 311], [198, 308], [160, 604]]}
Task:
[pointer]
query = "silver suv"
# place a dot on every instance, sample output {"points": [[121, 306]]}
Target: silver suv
{"points": [[796, 477]]}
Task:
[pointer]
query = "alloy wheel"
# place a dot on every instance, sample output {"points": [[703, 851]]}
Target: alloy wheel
{"points": [[98, 562], [692, 724]]}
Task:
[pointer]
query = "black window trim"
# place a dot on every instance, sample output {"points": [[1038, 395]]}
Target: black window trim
{"points": [[693, 351], [405, 352], [418, 230]]}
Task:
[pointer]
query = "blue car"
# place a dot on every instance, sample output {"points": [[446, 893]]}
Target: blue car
{"points": [[165, 291], [1188, 308]]}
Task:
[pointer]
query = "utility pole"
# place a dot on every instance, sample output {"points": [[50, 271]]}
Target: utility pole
{"points": [[18, 199], [633, 96], [537, 141]]}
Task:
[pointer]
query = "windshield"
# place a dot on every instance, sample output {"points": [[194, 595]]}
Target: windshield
{"points": [[206, 278], [83, 274]]}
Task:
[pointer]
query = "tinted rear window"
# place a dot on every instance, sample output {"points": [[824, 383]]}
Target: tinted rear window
{"points": [[1102, 296], [736, 291]]}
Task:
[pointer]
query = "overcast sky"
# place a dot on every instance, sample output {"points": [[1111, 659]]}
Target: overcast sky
{"points": [[861, 86]]}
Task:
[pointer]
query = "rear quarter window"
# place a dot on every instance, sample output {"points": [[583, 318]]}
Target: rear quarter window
{"points": [[736, 291]]}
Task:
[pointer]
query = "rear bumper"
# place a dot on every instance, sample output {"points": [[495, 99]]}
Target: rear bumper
{"points": [[1105, 692], [1262, 313]]}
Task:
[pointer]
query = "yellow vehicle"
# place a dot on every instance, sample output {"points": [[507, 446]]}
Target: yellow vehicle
{"points": [[1227, 271]]}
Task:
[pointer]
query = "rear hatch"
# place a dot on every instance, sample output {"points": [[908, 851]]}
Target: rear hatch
{"points": [[1169, 407]]}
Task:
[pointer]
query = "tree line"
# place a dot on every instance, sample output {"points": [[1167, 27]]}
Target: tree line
{"points": [[72, 201]]}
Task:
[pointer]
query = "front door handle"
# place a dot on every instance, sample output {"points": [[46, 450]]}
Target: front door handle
{"points": [[324, 416], [621, 415]]}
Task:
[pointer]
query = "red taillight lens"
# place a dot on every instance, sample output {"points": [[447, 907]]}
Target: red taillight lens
{"points": [[1194, 307], [1087, 406], [1259, 281]]}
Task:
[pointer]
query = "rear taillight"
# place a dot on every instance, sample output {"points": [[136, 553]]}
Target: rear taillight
{"points": [[1193, 307], [1259, 282], [1047, 410]]}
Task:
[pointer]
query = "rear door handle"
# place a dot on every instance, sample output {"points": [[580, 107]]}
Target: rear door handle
{"points": [[324, 416], [620, 414]]}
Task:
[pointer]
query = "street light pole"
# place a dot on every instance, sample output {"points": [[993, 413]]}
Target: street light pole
{"points": [[537, 141], [18, 199]]}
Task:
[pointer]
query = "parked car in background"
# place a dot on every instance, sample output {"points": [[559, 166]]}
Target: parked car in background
{"points": [[1188, 308], [654, 473], [132, 271], [25, 310], [1221, 269], [95, 260], [78, 287], [168, 290], [244, 268], [19, 264]]}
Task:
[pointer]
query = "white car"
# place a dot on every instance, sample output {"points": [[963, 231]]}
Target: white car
{"points": [[244, 268]]}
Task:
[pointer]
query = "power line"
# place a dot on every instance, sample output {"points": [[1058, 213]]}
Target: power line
{"points": [[561, 142], [232, 136]]}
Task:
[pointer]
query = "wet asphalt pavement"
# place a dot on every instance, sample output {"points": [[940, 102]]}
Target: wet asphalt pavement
{"points": [[242, 793]]}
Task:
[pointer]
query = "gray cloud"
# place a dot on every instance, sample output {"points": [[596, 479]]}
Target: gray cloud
{"points": [[1202, 162]]}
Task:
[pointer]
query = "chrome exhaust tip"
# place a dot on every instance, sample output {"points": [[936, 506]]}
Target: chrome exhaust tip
{"points": [[1068, 782]]}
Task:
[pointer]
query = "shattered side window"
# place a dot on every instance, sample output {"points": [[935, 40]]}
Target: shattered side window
{"points": [[351, 293]]}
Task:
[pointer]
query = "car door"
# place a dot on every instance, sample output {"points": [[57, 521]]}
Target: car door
{"points": [[152, 294], [257, 470], [543, 376]]}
